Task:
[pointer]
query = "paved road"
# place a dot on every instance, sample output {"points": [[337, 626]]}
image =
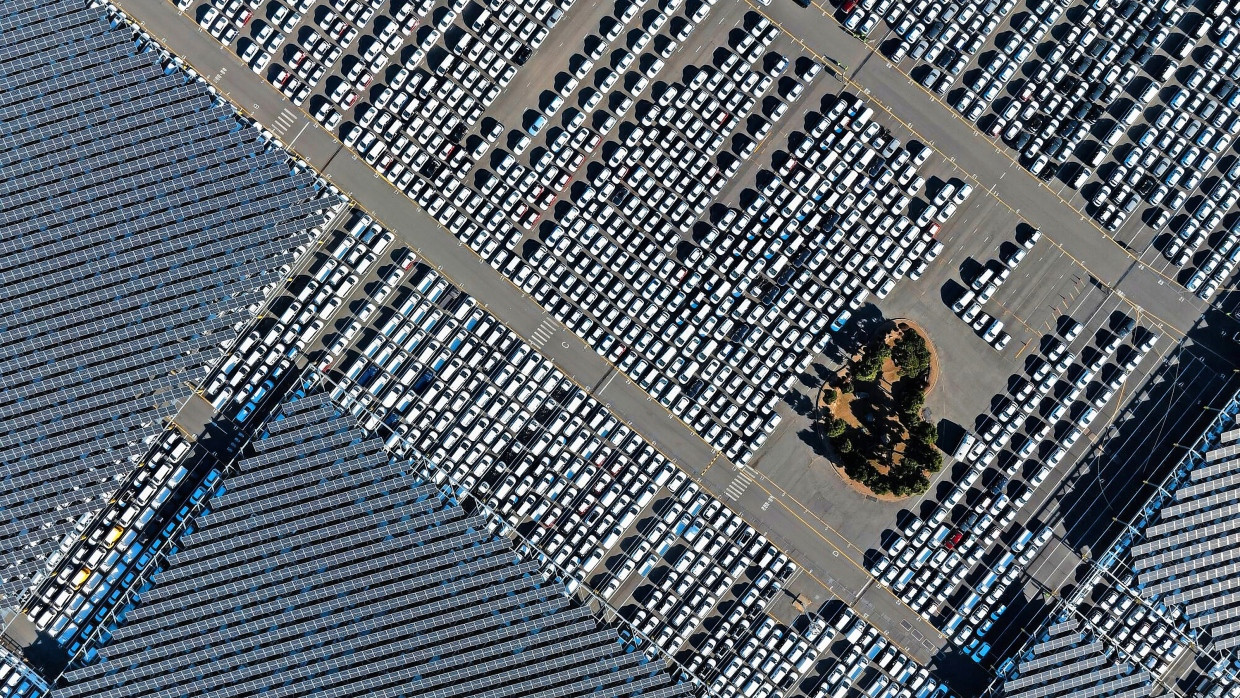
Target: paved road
{"points": [[990, 167], [807, 544], [433, 242]]}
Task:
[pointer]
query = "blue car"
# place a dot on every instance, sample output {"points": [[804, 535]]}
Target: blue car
{"points": [[840, 321], [981, 652], [244, 413]]}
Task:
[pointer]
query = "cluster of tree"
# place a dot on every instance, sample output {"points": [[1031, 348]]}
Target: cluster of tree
{"points": [[911, 355], [901, 479], [859, 447], [871, 362]]}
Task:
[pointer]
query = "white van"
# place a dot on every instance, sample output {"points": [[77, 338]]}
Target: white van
{"points": [[966, 443]]}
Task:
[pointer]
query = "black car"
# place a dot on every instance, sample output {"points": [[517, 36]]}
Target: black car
{"points": [[696, 388], [1125, 327], [969, 522], [785, 276], [1053, 147]]}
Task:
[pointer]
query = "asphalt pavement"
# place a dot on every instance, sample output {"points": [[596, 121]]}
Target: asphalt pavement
{"points": [[817, 551], [990, 167], [783, 516]]}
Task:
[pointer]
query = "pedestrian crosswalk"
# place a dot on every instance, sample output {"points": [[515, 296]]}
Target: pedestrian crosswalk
{"points": [[738, 485], [542, 333], [283, 121]]}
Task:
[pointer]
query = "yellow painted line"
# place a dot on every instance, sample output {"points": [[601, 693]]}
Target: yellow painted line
{"points": [[871, 99], [845, 556], [711, 464], [585, 388]]}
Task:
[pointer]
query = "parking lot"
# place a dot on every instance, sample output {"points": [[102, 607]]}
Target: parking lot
{"points": [[636, 197], [97, 568], [1128, 109], [588, 497]]}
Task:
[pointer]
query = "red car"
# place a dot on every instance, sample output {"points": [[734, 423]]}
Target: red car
{"points": [[953, 540]]}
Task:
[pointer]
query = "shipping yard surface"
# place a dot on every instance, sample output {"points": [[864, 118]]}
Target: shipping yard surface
{"points": [[532, 306]]}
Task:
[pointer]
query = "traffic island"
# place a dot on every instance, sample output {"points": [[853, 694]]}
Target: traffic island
{"points": [[871, 413]]}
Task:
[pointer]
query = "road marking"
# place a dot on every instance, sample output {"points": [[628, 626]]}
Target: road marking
{"points": [[606, 383], [542, 333], [303, 128], [857, 86], [738, 485], [283, 122]]}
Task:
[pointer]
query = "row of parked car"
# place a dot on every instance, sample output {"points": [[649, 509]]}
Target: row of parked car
{"points": [[614, 260], [982, 287], [866, 664], [106, 554], [683, 597], [944, 37], [249, 372], [1100, 76], [437, 376], [670, 305], [1142, 635], [947, 566], [414, 130]]}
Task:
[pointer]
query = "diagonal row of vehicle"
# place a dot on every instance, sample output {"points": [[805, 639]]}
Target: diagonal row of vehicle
{"points": [[948, 566], [945, 36], [437, 376], [989, 277], [598, 272], [866, 662]]}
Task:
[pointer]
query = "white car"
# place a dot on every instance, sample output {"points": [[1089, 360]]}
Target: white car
{"points": [[328, 116], [255, 57], [343, 95]]}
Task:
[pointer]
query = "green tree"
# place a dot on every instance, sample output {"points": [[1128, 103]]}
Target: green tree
{"points": [[834, 427], [925, 432], [871, 362], [921, 457], [911, 355], [828, 396], [909, 400]]}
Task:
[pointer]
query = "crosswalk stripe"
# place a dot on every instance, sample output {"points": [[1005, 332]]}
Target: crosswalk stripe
{"points": [[542, 333], [737, 487]]}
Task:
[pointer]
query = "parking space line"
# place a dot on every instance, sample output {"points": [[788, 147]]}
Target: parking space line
{"points": [[542, 333], [283, 121], [869, 577], [857, 86]]}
